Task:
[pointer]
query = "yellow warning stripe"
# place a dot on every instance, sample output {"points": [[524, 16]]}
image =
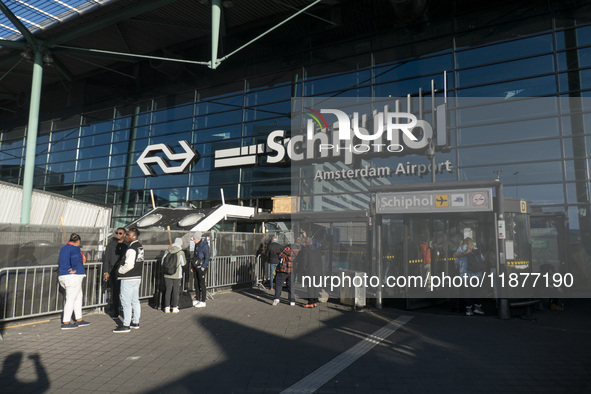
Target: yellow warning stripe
{"points": [[517, 262]]}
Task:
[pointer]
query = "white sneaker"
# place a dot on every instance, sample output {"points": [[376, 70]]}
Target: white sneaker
{"points": [[200, 304], [292, 304], [167, 309], [275, 302], [469, 310], [478, 309], [175, 310], [195, 302]]}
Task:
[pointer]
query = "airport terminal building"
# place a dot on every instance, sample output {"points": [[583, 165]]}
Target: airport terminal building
{"points": [[502, 86]]}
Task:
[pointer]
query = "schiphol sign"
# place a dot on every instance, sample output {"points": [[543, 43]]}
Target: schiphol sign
{"points": [[440, 201], [393, 132]]}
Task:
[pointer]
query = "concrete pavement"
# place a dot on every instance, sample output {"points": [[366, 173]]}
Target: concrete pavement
{"points": [[240, 343]]}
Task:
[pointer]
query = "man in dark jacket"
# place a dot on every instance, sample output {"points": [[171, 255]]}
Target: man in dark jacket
{"points": [[273, 250], [311, 270], [114, 255], [199, 267], [130, 276]]}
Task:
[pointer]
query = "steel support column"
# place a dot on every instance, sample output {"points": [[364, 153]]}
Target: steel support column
{"points": [[32, 128], [216, 16]]}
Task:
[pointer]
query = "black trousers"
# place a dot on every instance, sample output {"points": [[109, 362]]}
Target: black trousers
{"points": [[173, 289], [115, 291], [200, 289], [280, 279]]}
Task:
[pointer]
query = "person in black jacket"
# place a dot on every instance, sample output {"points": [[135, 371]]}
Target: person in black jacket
{"points": [[199, 267], [114, 255], [311, 267], [273, 250]]}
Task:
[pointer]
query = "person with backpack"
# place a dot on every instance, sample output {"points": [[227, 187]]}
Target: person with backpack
{"points": [[172, 268], [285, 275], [470, 263]]}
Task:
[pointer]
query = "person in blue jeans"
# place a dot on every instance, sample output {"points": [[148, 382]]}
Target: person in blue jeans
{"points": [[130, 275], [461, 255], [273, 250]]}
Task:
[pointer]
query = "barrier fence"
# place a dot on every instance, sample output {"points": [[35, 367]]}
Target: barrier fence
{"points": [[34, 291]]}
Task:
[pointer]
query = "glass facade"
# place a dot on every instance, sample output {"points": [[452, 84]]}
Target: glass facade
{"points": [[508, 51]]}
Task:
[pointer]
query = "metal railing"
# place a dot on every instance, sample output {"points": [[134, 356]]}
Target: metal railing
{"points": [[34, 291]]}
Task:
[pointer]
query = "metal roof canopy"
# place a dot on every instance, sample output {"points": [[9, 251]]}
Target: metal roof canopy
{"points": [[31, 16]]}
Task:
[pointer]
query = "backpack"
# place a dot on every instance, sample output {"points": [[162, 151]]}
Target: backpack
{"points": [[476, 261], [170, 264]]}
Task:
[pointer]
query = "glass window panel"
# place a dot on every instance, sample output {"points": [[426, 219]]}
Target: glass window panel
{"points": [[219, 119], [504, 51], [577, 192], [169, 180], [64, 190], [337, 83], [505, 153], [122, 123], [164, 129], [172, 140], [41, 150], [219, 105], [116, 172], [413, 68], [531, 87], [97, 130], [577, 170], [12, 156], [511, 174], [216, 135], [97, 151], [577, 58], [174, 113], [268, 111], [144, 118], [577, 146], [221, 93], [573, 81], [68, 157], [409, 86], [92, 175], [542, 194], [267, 96], [510, 70], [495, 110], [64, 140], [528, 129], [68, 123], [100, 162], [63, 169], [263, 128], [120, 136]]}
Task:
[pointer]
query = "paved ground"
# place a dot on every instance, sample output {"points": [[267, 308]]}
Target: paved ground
{"points": [[241, 344]]}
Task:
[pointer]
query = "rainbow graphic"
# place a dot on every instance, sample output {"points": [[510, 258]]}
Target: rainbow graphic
{"points": [[317, 117]]}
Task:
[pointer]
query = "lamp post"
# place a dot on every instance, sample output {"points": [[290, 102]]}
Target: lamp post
{"points": [[430, 154]]}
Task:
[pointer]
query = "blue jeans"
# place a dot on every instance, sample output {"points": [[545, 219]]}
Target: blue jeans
{"points": [[271, 269], [130, 300]]}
